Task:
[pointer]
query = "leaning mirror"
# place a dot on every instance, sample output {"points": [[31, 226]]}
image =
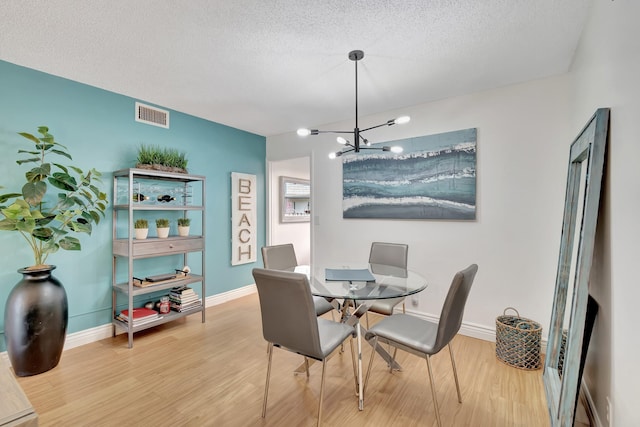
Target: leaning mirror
{"points": [[295, 199], [568, 318]]}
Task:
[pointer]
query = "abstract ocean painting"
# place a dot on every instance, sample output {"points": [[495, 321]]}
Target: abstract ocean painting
{"points": [[433, 178]]}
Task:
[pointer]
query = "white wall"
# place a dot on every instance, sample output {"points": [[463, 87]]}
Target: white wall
{"points": [[297, 233], [523, 148], [606, 73], [524, 132]]}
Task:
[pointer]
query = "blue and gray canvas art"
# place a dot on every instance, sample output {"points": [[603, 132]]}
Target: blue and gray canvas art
{"points": [[434, 178]]}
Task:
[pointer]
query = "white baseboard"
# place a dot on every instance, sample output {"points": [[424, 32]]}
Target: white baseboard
{"points": [[589, 406], [101, 332]]}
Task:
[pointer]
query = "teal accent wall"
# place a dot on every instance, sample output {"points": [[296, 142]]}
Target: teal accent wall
{"points": [[99, 129]]}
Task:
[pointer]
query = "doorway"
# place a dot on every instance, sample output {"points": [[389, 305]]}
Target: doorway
{"points": [[298, 233]]}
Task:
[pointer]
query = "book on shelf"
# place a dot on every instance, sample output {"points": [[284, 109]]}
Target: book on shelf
{"points": [[185, 307], [183, 298], [139, 313], [141, 316]]}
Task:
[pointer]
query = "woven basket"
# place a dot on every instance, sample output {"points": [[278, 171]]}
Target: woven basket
{"points": [[518, 341]]}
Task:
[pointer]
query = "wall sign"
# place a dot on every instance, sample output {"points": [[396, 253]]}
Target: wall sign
{"points": [[244, 237]]}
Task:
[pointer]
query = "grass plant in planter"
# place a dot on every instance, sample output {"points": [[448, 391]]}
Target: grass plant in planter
{"points": [[164, 159], [162, 227], [56, 202], [183, 226], [141, 227]]}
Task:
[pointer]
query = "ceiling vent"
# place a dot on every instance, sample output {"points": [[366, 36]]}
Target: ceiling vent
{"points": [[152, 115]]}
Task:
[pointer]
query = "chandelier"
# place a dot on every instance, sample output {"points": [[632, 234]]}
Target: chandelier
{"points": [[359, 142]]}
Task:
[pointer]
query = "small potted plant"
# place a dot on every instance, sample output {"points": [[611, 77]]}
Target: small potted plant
{"points": [[162, 227], [161, 158], [142, 228], [183, 226]]}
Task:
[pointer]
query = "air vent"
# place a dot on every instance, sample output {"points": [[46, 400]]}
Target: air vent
{"points": [[152, 115]]}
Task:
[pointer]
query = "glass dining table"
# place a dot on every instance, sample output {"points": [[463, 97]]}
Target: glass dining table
{"points": [[354, 288]]}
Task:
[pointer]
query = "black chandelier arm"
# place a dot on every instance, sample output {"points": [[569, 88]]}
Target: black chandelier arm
{"points": [[315, 132], [388, 123]]}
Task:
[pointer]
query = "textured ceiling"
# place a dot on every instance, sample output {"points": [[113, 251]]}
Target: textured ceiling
{"points": [[271, 66]]}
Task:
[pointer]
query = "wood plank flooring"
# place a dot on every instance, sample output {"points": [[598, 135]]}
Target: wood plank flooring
{"points": [[186, 373]]}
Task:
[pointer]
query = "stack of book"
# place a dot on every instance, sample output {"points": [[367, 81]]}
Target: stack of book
{"points": [[141, 316], [183, 298]]}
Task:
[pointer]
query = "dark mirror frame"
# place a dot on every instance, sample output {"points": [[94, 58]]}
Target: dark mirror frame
{"points": [[562, 377]]}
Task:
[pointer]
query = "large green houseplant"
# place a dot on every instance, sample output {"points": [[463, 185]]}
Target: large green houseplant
{"points": [[47, 222], [56, 202]]}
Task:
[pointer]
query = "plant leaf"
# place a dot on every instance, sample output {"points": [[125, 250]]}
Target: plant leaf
{"points": [[29, 136], [33, 192], [95, 217], [63, 181], [63, 167], [80, 227], [62, 153], [6, 197], [42, 233], [32, 160], [27, 225], [8, 224], [38, 173], [70, 243]]}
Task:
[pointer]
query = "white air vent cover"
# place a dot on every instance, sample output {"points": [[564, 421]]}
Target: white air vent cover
{"points": [[152, 115]]}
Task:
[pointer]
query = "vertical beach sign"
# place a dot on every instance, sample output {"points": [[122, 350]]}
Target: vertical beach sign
{"points": [[243, 218]]}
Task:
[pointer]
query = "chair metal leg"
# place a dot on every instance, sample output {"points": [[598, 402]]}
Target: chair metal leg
{"points": [[353, 360], [393, 359], [324, 364], [366, 316], [373, 353], [433, 390], [455, 373], [306, 366], [266, 386]]}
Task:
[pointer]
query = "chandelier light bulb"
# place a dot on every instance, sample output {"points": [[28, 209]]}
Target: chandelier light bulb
{"points": [[341, 140], [332, 156], [304, 132], [396, 149], [402, 120]]}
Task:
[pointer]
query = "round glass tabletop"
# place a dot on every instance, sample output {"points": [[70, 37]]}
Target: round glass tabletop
{"points": [[356, 284]]}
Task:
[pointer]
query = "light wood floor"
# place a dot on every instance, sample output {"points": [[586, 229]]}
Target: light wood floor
{"points": [[187, 373]]}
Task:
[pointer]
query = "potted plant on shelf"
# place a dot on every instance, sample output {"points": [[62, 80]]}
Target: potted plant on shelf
{"points": [[162, 227], [56, 202], [164, 159], [183, 226], [141, 227]]}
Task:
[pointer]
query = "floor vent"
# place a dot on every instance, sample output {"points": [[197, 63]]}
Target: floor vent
{"points": [[152, 115]]}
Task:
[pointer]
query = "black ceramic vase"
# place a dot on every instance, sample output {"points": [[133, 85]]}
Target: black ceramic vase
{"points": [[35, 322]]}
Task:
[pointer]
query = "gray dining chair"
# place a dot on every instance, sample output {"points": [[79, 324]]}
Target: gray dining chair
{"points": [[283, 257], [395, 255], [289, 322], [424, 338]]}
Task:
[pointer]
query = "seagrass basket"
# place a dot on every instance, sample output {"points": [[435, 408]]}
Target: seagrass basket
{"points": [[518, 340]]}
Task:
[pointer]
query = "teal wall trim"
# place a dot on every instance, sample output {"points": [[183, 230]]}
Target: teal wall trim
{"points": [[99, 129]]}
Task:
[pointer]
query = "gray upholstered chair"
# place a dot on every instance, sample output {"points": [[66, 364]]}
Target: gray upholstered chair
{"points": [[424, 338], [289, 322], [393, 254], [283, 257]]}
